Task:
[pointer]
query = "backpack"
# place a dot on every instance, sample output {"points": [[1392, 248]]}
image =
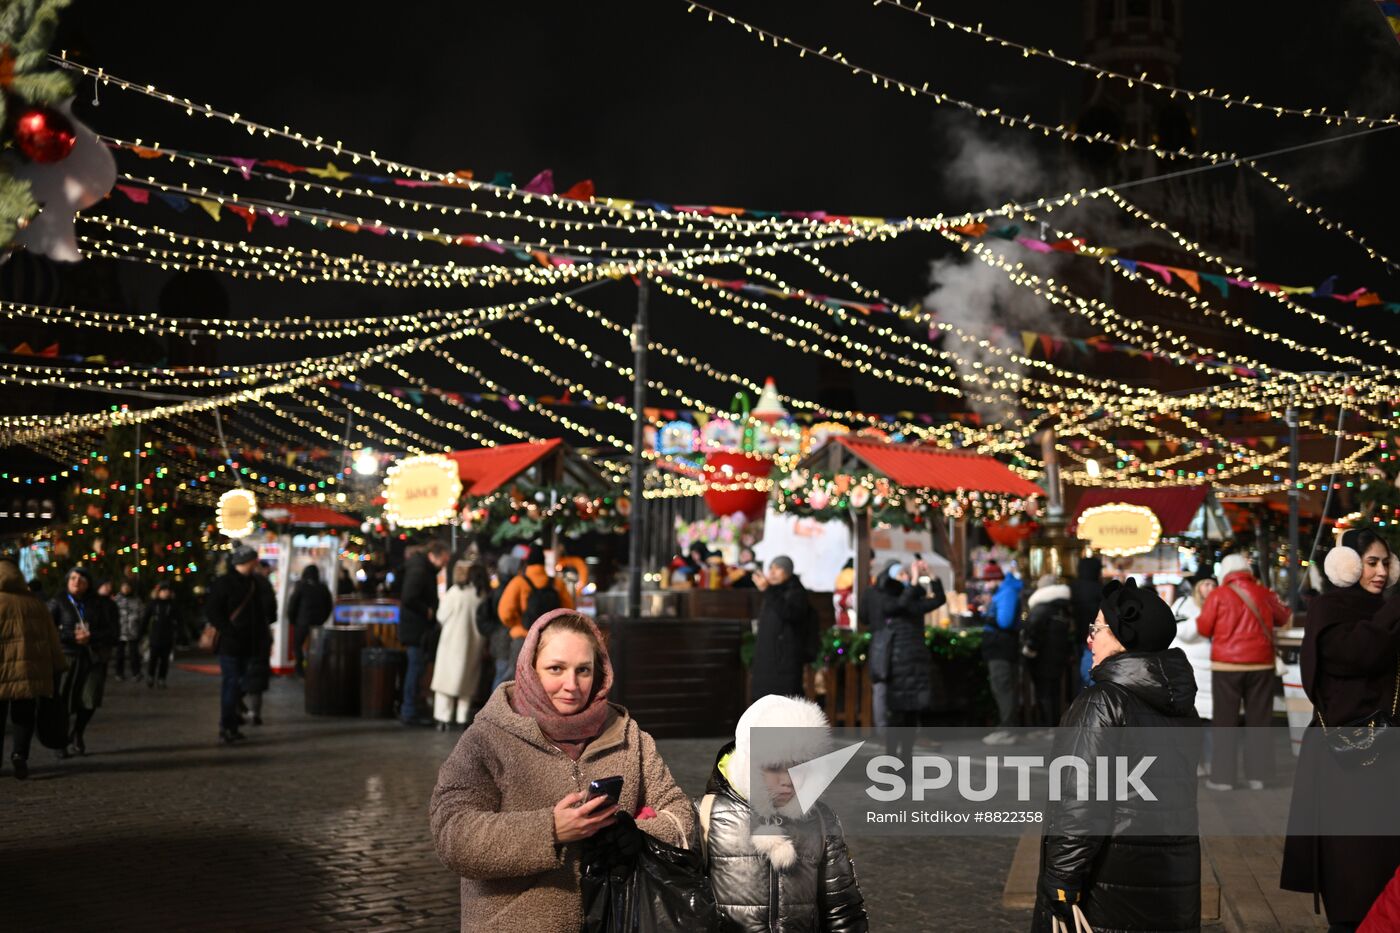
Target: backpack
{"points": [[542, 599]]}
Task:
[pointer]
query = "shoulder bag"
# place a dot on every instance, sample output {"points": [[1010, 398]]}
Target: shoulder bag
{"points": [[1359, 743], [209, 638]]}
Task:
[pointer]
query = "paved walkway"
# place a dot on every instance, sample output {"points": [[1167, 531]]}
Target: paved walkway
{"points": [[321, 824]]}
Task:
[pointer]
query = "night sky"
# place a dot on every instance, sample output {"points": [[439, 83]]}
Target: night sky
{"points": [[652, 102]]}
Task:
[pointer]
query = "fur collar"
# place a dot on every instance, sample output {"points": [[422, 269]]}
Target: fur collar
{"points": [[1048, 594]]}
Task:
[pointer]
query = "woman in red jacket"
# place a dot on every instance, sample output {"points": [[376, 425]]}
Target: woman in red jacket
{"points": [[1239, 618]]}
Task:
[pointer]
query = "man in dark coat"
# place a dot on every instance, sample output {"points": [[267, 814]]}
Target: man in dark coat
{"points": [[1047, 644], [1130, 863], [417, 610], [237, 607], [787, 636], [1086, 592], [308, 607]]}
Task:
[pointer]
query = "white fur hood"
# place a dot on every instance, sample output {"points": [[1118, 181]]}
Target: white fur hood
{"points": [[1048, 594]]}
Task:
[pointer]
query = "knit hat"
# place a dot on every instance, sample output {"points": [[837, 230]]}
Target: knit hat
{"points": [[1137, 616], [781, 563], [992, 571], [535, 557], [242, 555]]}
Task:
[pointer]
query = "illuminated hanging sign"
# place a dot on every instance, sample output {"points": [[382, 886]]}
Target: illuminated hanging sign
{"points": [[237, 510], [1119, 529], [422, 491]]}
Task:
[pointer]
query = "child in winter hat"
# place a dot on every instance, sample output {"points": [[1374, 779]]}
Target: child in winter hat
{"points": [[773, 864]]}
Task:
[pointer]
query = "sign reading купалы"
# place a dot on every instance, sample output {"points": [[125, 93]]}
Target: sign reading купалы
{"points": [[1119, 529], [422, 491]]}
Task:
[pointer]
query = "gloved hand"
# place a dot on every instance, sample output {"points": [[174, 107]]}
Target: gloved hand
{"points": [[1060, 896]]}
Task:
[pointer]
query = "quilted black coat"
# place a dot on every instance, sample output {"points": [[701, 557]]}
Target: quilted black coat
{"points": [[1127, 881], [898, 656]]}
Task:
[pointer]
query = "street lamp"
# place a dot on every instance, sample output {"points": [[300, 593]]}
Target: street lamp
{"points": [[366, 462]]}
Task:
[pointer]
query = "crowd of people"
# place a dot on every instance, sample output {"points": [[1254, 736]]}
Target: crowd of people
{"points": [[513, 814]]}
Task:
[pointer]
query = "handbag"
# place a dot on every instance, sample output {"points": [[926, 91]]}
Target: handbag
{"points": [[1280, 668], [51, 718], [1358, 743], [209, 638]]}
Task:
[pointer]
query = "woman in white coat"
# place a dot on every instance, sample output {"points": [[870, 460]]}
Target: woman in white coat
{"points": [[1197, 649], [457, 670]]}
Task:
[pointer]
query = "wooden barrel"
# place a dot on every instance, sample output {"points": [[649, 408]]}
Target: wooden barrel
{"points": [[381, 681], [333, 670]]}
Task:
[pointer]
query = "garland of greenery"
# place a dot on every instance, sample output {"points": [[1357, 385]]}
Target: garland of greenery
{"points": [[523, 512], [26, 80]]}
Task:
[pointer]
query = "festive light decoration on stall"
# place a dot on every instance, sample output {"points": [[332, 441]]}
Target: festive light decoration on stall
{"points": [[237, 509], [422, 491], [834, 497], [1101, 73]]}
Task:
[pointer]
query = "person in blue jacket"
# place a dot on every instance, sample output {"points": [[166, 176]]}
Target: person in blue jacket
{"points": [[1001, 648]]}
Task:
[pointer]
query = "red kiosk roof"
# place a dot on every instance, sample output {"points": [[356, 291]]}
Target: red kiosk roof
{"points": [[942, 470], [486, 469], [290, 514], [1175, 506]]}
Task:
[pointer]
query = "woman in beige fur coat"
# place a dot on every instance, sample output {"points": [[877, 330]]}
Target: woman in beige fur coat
{"points": [[508, 813]]}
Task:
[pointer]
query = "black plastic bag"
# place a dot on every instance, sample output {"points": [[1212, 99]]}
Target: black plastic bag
{"points": [[51, 718], [665, 891]]}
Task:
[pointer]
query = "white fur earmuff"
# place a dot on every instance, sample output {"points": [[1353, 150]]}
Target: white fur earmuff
{"points": [[1343, 566]]}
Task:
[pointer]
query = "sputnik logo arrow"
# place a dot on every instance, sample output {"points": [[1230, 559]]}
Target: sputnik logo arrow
{"points": [[811, 778]]}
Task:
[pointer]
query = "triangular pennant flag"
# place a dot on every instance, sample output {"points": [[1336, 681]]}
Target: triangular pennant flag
{"points": [[1192, 280], [1221, 283], [1270, 441], [144, 153], [582, 191], [330, 171], [212, 208], [245, 166], [1163, 271], [1153, 446], [135, 195], [1129, 264], [543, 183], [1047, 344], [502, 179], [1028, 339], [24, 349], [1327, 287], [246, 213], [50, 351], [177, 201], [1368, 299]]}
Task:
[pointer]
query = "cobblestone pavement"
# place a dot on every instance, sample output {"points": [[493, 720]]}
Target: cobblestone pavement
{"points": [[321, 824]]}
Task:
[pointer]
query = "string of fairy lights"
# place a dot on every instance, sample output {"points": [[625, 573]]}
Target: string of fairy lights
{"points": [[305, 380], [1101, 73]]}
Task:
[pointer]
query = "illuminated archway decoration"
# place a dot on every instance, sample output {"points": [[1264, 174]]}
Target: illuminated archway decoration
{"points": [[422, 491], [238, 509], [1120, 529]]}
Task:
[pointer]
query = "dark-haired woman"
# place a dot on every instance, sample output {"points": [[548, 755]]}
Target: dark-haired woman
{"points": [[1349, 666], [508, 813]]}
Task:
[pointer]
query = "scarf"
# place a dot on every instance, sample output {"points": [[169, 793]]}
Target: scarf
{"points": [[570, 731]]}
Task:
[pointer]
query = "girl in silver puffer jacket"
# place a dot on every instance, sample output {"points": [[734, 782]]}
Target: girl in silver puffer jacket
{"points": [[798, 878]]}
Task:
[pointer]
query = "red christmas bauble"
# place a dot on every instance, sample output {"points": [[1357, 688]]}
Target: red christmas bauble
{"points": [[44, 135]]}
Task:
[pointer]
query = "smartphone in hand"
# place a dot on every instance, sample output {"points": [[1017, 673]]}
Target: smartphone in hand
{"points": [[610, 787]]}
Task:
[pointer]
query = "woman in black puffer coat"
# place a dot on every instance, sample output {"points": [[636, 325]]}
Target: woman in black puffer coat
{"points": [[1134, 876], [898, 656]]}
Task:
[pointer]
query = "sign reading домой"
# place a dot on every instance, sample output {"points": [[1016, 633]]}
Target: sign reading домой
{"points": [[1072, 781]]}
